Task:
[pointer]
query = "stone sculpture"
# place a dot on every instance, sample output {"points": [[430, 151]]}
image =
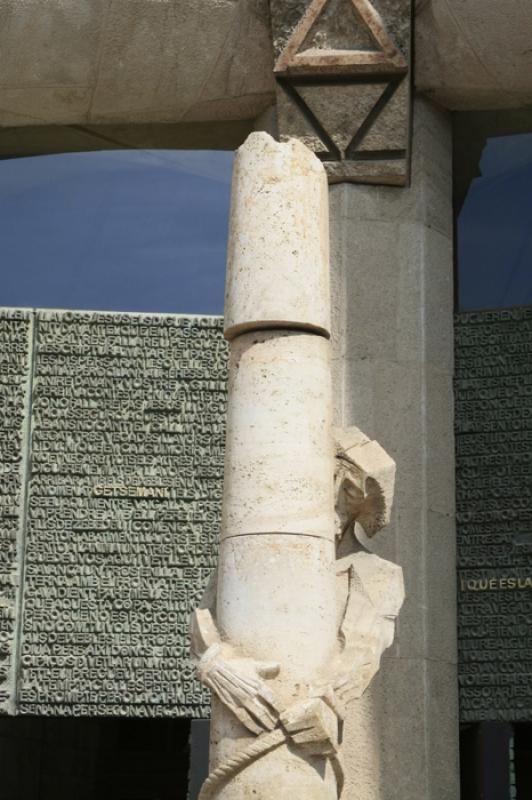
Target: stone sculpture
{"points": [[369, 595], [292, 627]]}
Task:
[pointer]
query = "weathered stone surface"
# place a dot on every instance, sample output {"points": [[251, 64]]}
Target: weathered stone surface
{"points": [[139, 61], [367, 477], [279, 466], [125, 445], [280, 216], [30, 140], [339, 34], [269, 627], [300, 635], [342, 70], [475, 55]]}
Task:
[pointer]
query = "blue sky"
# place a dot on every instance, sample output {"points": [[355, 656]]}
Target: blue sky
{"points": [[146, 230], [494, 236], [133, 230]]}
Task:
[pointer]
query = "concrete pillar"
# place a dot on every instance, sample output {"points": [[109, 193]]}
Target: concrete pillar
{"points": [[392, 275]]}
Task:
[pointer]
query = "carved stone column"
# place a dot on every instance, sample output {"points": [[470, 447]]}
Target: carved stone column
{"points": [[287, 634], [276, 578]]}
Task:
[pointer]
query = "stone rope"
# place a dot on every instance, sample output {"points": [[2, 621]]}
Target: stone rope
{"points": [[261, 746], [264, 744]]}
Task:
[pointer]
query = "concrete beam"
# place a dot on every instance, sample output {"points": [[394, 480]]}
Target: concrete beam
{"points": [[474, 55], [134, 61], [118, 62]]}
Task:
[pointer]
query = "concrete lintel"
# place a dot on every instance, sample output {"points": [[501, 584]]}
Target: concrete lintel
{"points": [[35, 140], [142, 62], [474, 55]]}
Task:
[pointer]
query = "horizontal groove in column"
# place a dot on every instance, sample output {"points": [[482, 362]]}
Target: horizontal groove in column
{"points": [[277, 533], [277, 325]]}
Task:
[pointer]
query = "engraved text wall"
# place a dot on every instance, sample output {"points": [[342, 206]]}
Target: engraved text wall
{"points": [[123, 465], [493, 395]]}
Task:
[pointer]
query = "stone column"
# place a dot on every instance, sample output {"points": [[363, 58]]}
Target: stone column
{"points": [[293, 627], [275, 604]]}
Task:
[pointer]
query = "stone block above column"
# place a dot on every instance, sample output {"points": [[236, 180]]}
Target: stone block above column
{"points": [[343, 84]]}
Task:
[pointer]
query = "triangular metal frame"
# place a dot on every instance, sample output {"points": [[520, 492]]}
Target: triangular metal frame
{"points": [[388, 57]]}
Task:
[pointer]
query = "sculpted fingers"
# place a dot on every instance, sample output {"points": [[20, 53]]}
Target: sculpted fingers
{"points": [[237, 683], [268, 697], [246, 719], [261, 711]]}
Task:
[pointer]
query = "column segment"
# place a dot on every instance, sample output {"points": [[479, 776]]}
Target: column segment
{"points": [[275, 601]]}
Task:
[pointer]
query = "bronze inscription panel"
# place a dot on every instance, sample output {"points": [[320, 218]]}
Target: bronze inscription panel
{"points": [[493, 402], [124, 480]]}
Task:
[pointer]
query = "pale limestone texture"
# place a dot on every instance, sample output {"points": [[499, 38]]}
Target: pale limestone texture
{"points": [[302, 698], [276, 584], [279, 215], [300, 634], [279, 450], [292, 627]]}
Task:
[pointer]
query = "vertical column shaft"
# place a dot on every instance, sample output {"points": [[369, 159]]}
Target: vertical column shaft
{"points": [[276, 577]]}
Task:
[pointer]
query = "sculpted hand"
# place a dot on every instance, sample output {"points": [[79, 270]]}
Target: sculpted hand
{"points": [[313, 726], [353, 675], [237, 682], [348, 688]]}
